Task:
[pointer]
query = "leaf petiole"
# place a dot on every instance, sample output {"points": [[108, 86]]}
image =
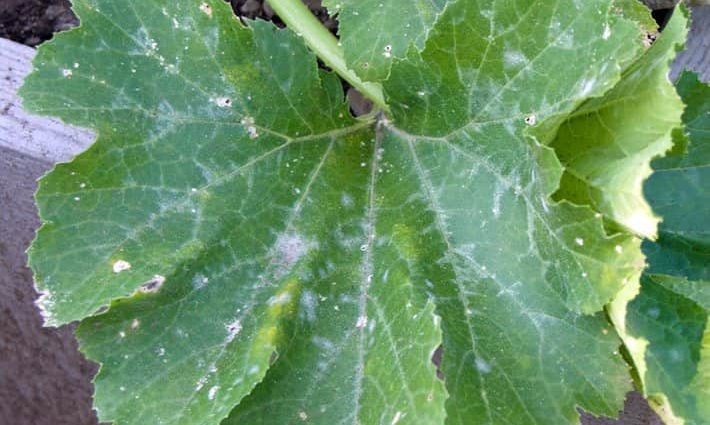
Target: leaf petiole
{"points": [[299, 18]]}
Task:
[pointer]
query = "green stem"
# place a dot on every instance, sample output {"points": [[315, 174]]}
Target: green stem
{"points": [[299, 18]]}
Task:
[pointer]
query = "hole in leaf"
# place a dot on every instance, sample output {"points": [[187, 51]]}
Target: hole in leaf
{"points": [[436, 358]]}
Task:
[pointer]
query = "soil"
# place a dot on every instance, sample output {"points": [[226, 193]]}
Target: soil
{"points": [[31, 22]]}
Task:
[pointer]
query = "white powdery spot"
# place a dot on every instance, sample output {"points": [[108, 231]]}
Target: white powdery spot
{"points": [[135, 324], [248, 123], [223, 102], [579, 241], [67, 73], [291, 247], [513, 58], [153, 285], [497, 194], [212, 393], [324, 344], [531, 119], [303, 415], [45, 303], [482, 366], [279, 299], [346, 200], [120, 265], [607, 32], [587, 86], [200, 383], [396, 418], [618, 249], [199, 281], [206, 9], [233, 330], [309, 302], [361, 322]]}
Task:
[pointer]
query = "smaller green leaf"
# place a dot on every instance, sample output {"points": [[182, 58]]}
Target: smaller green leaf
{"points": [[679, 191], [665, 326], [606, 162], [670, 315]]}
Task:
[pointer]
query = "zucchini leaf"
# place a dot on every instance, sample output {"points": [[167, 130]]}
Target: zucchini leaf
{"points": [[236, 245]]}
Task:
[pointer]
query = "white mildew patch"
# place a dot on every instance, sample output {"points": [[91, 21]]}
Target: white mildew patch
{"points": [[45, 303], [513, 59], [120, 265], [67, 73], [248, 123], [308, 304], [397, 417], [566, 39], [497, 194], [586, 86], [607, 32], [233, 330], [361, 322], [153, 285], [206, 9], [290, 248], [324, 344], [199, 281], [200, 383], [223, 102], [280, 299], [482, 366], [346, 200], [212, 393]]}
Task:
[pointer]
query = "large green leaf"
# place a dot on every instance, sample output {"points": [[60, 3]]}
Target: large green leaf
{"points": [[518, 270], [235, 238], [606, 162], [224, 196], [375, 32], [667, 323]]}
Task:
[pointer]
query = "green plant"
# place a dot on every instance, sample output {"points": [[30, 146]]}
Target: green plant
{"points": [[236, 245]]}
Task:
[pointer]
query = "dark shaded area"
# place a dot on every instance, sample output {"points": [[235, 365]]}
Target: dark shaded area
{"points": [[31, 22], [636, 412], [253, 9], [662, 16]]}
